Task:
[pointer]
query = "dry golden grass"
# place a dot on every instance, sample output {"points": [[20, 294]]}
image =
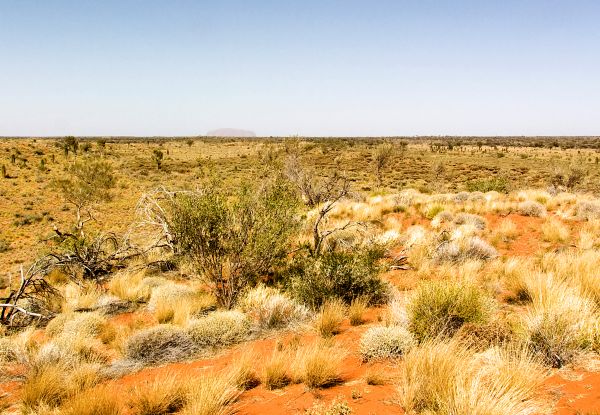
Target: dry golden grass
{"points": [[356, 311], [47, 386], [377, 376], [318, 365], [242, 371], [211, 395], [445, 377], [98, 401], [329, 320], [555, 231], [275, 372], [160, 396]]}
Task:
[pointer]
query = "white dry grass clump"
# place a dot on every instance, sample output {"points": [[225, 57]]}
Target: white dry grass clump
{"points": [[446, 377], [385, 342], [477, 196], [170, 294], [531, 208], [219, 329], [470, 219], [461, 197], [415, 235], [588, 210], [161, 344], [271, 309], [463, 249], [442, 218], [407, 197], [76, 324]]}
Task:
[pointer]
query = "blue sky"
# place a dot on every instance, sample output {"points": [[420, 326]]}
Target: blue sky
{"points": [[300, 67]]}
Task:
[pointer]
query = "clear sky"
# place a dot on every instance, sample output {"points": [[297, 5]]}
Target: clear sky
{"points": [[303, 67]]}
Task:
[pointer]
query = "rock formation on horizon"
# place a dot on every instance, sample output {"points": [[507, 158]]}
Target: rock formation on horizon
{"points": [[230, 132]]}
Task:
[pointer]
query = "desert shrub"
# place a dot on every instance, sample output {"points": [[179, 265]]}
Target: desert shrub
{"points": [[160, 344], [440, 308], [496, 184], [385, 343], [330, 318], [231, 242], [470, 219], [531, 208], [160, 396], [271, 309], [219, 329], [336, 274], [445, 377], [588, 210], [89, 181], [318, 365], [463, 249]]}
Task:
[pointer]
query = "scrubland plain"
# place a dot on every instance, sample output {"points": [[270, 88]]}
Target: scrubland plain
{"points": [[310, 276]]}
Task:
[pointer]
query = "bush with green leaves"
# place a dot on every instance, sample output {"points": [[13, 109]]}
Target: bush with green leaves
{"points": [[232, 240], [87, 182], [440, 308], [337, 274], [497, 184]]}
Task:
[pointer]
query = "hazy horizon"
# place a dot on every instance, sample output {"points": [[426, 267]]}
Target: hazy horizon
{"points": [[315, 68]]}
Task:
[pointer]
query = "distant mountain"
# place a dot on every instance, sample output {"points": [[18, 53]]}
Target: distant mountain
{"points": [[230, 132]]}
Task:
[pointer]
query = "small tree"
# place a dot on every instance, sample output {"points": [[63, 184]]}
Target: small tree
{"points": [[70, 143], [189, 142], [232, 242], [4, 172], [87, 183], [157, 157], [382, 157]]}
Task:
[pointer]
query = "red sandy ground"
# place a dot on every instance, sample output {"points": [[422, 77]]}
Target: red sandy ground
{"points": [[577, 393]]}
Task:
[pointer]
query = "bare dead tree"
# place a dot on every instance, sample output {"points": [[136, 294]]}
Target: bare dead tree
{"points": [[92, 257], [32, 300], [313, 189]]}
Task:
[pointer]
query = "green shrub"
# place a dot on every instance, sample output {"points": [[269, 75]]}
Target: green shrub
{"points": [[343, 275], [497, 184], [440, 308], [233, 241]]}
